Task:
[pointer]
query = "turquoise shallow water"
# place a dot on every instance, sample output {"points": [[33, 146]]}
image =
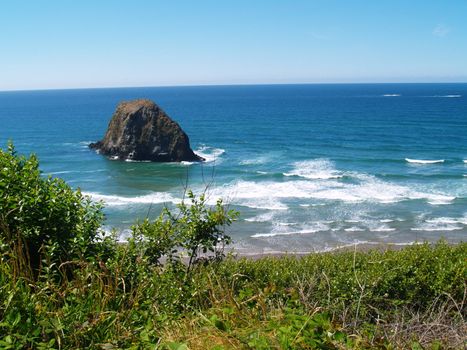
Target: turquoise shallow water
{"points": [[310, 167]]}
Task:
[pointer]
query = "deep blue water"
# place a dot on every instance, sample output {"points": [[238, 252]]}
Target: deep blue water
{"points": [[309, 167]]}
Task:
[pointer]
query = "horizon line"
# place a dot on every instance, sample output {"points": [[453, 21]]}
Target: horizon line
{"points": [[233, 84]]}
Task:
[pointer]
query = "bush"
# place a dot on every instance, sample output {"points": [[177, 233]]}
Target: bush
{"points": [[196, 230], [41, 215]]}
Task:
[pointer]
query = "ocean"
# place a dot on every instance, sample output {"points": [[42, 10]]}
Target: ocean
{"points": [[309, 167]]}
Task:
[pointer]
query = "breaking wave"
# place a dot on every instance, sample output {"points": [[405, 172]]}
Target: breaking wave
{"points": [[75, 171], [153, 198], [271, 195], [256, 161], [442, 224], [448, 96], [262, 217], [132, 160], [210, 154], [315, 169], [280, 231], [424, 161], [281, 228]]}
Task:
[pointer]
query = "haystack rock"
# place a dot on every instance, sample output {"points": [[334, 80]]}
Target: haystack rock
{"points": [[140, 130]]}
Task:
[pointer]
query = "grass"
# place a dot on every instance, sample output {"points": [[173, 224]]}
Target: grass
{"points": [[411, 298]]}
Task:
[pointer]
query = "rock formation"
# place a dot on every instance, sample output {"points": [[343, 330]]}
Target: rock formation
{"points": [[141, 130]]}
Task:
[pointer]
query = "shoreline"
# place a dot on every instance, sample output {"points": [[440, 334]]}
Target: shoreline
{"points": [[358, 247]]}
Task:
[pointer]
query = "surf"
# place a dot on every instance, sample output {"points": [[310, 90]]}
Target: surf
{"points": [[424, 161]]}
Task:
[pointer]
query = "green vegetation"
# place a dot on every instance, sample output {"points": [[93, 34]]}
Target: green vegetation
{"points": [[39, 215], [64, 286]]}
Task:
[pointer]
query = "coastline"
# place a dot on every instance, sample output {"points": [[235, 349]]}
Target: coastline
{"points": [[357, 247]]}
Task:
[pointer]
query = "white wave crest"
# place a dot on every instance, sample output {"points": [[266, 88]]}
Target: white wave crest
{"points": [[134, 161], [61, 172], [423, 161], [440, 199], [273, 234], [442, 224], [281, 230], [262, 203], [152, 198], [391, 95], [449, 220], [271, 195], [354, 229], [443, 220], [262, 217], [383, 228], [210, 154], [256, 161], [76, 171], [84, 144], [315, 169], [363, 224], [448, 96]]}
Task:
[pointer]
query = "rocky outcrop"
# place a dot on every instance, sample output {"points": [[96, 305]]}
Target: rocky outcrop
{"points": [[140, 130]]}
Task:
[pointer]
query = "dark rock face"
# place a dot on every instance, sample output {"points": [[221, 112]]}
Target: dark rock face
{"points": [[140, 130]]}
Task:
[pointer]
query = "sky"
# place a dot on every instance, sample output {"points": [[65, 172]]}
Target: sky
{"points": [[53, 44]]}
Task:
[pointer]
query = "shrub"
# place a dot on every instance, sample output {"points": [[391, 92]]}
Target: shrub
{"points": [[39, 214], [196, 229]]}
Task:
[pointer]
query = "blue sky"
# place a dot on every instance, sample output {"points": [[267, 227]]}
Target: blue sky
{"points": [[103, 43]]}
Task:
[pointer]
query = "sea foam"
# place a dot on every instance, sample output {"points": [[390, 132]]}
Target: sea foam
{"points": [[448, 96], [354, 229], [383, 228], [424, 161], [76, 171], [442, 224], [256, 161], [262, 217], [314, 169], [269, 194], [61, 172], [85, 144], [210, 154], [152, 198], [281, 230]]}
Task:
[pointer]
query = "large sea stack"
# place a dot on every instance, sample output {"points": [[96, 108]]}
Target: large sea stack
{"points": [[140, 130]]}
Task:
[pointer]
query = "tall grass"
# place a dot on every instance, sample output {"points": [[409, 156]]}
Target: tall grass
{"points": [[407, 298]]}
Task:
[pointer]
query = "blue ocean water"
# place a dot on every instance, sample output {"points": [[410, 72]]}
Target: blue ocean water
{"points": [[309, 167]]}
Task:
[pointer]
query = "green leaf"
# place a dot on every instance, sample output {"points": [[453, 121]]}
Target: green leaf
{"points": [[176, 346]]}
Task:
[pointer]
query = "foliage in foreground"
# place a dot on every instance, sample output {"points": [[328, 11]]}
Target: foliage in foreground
{"points": [[160, 291], [44, 216], [409, 298]]}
